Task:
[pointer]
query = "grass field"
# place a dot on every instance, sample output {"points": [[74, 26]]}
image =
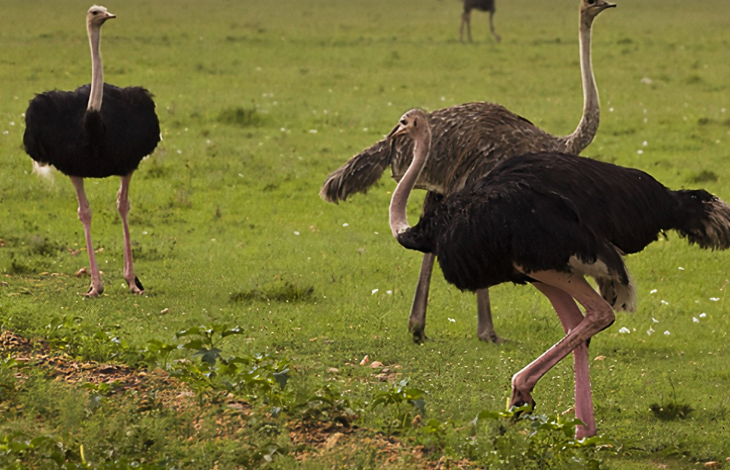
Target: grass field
{"points": [[258, 102]]}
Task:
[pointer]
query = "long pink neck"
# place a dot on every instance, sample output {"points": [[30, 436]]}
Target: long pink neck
{"points": [[588, 126], [97, 72], [399, 201]]}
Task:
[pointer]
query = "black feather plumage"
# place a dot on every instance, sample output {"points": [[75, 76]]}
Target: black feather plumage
{"points": [[539, 211], [92, 144]]}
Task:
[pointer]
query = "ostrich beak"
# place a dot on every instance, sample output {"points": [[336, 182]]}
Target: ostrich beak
{"points": [[397, 130], [110, 15]]}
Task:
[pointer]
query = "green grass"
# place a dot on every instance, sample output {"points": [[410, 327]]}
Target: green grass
{"points": [[258, 102]]}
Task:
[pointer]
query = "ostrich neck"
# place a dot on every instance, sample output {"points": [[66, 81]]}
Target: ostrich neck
{"points": [[97, 72], [588, 126], [398, 219]]}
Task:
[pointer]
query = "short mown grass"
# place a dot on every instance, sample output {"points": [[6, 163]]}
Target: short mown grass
{"points": [[258, 102]]}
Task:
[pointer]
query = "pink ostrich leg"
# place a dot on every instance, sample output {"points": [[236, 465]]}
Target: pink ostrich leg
{"points": [[599, 315], [97, 287], [570, 316], [135, 286]]}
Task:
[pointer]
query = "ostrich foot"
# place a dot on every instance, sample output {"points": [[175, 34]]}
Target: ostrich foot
{"points": [[520, 398], [135, 287], [491, 337], [94, 292], [419, 337]]}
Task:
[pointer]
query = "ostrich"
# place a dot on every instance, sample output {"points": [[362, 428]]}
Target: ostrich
{"points": [[481, 5], [550, 219], [72, 131], [469, 140]]}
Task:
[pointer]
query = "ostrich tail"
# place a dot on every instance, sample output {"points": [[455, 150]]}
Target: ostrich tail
{"points": [[704, 219], [358, 174], [43, 171]]}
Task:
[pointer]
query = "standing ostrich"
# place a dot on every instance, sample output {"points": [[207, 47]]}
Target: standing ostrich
{"points": [[469, 140], [72, 131], [550, 219], [481, 5]]}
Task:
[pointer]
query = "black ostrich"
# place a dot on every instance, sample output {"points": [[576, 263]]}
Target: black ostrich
{"points": [[481, 5], [72, 131], [550, 219]]}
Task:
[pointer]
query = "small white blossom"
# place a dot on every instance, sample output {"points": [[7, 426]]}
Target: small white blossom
{"points": [[624, 330], [695, 319], [667, 333], [714, 299], [650, 331], [452, 320], [653, 291], [654, 320], [374, 291], [703, 315]]}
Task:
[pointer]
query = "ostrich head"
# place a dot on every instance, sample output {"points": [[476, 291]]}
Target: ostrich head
{"points": [[414, 123], [589, 9], [97, 16]]}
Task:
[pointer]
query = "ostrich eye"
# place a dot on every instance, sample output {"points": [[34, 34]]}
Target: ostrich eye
{"points": [[591, 2], [403, 122], [94, 12]]}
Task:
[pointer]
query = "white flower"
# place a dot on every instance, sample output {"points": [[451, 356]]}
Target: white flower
{"points": [[664, 302], [667, 333], [650, 331], [681, 268], [654, 320], [312, 131], [695, 319], [374, 291], [653, 291], [389, 292], [624, 330], [345, 224], [714, 299], [296, 233], [703, 315], [452, 320], [639, 151]]}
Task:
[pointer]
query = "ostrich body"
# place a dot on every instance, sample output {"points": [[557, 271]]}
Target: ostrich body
{"points": [[550, 219], [468, 141], [82, 138], [481, 5]]}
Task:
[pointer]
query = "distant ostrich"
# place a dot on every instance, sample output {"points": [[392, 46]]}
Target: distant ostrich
{"points": [[469, 140], [481, 5], [72, 131], [550, 219]]}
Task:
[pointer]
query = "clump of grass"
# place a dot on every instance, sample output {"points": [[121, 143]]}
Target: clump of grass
{"points": [[703, 176], [671, 411], [275, 291], [240, 116]]}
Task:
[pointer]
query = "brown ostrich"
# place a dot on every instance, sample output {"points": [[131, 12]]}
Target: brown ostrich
{"points": [[468, 141]]}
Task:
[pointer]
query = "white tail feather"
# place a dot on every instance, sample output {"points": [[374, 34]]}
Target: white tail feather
{"points": [[43, 171]]}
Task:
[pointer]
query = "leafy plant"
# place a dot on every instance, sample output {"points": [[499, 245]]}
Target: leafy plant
{"points": [[404, 400], [523, 440], [327, 404]]}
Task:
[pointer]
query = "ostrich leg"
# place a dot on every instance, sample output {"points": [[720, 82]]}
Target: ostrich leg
{"points": [[491, 27], [599, 315], [123, 207], [417, 320], [84, 211], [465, 20], [570, 316], [485, 327]]}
